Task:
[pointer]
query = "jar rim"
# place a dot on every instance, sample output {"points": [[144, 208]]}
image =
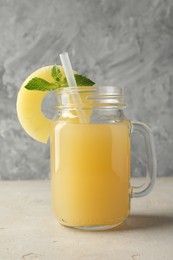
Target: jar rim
{"points": [[104, 90], [92, 96]]}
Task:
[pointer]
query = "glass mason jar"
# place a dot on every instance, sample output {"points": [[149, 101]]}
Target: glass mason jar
{"points": [[90, 158]]}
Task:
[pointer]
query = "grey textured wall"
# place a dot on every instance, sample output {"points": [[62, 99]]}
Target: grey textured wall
{"points": [[128, 43]]}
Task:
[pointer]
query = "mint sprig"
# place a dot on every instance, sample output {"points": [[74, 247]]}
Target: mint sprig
{"points": [[59, 81]]}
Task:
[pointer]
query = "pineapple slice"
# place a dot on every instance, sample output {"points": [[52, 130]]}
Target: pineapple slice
{"points": [[29, 104]]}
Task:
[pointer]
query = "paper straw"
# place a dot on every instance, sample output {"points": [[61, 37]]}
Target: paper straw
{"points": [[72, 83]]}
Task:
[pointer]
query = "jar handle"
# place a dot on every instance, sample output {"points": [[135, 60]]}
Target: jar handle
{"points": [[146, 132]]}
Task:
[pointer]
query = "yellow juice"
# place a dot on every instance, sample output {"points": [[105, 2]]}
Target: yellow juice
{"points": [[90, 166]]}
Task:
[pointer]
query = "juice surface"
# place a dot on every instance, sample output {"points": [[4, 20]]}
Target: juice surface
{"points": [[90, 166]]}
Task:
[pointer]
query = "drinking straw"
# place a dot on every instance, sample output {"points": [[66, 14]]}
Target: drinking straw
{"points": [[64, 57]]}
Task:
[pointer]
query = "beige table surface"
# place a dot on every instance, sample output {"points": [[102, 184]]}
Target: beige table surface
{"points": [[28, 229]]}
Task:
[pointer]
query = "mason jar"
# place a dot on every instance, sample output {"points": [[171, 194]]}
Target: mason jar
{"points": [[90, 158]]}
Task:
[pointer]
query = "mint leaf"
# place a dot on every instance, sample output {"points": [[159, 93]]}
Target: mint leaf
{"points": [[83, 81], [56, 73], [41, 84]]}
